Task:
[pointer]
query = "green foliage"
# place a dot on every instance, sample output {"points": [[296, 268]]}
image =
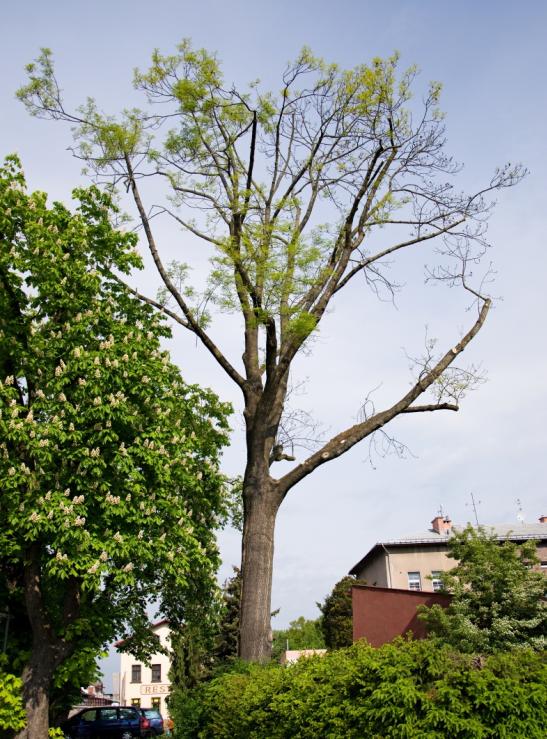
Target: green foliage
{"points": [[197, 654], [78, 670], [302, 633], [266, 262], [403, 689], [12, 713], [337, 620], [498, 598], [108, 459], [227, 640]]}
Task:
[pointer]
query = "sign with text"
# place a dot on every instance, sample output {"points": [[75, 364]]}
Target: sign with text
{"points": [[155, 689]]}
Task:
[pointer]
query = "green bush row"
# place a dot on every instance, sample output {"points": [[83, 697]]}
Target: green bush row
{"points": [[404, 689]]}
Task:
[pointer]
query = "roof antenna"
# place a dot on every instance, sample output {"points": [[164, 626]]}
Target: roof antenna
{"points": [[474, 504], [520, 512]]}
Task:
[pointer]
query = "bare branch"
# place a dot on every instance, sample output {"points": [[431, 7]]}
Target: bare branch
{"points": [[344, 441], [154, 303]]}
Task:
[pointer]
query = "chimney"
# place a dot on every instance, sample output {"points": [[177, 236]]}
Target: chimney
{"points": [[543, 519], [442, 524]]}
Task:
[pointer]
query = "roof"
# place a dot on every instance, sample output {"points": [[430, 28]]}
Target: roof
{"points": [[430, 537], [152, 627]]}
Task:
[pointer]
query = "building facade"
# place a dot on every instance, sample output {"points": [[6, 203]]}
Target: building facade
{"points": [[417, 561], [403, 573], [147, 685], [381, 614]]}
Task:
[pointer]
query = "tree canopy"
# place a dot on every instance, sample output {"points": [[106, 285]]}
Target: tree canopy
{"points": [[302, 633], [337, 614], [109, 461], [498, 595], [296, 194]]}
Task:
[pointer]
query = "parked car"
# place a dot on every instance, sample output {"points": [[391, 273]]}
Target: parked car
{"points": [[108, 722], [155, 718]]}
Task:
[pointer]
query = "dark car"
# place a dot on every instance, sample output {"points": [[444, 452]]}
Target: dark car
{"points": [[155, 718], [108, 722]]}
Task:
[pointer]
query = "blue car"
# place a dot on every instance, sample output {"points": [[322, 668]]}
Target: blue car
{"points": [[108, 722], [155, 718]]}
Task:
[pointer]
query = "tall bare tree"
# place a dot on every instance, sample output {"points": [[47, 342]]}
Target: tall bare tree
{"points": [[289, 190]]}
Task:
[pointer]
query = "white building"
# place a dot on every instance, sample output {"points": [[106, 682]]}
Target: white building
{"points": [[147, 686]]}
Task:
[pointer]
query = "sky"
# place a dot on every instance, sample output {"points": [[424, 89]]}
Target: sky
{"points": [[491, 58]]}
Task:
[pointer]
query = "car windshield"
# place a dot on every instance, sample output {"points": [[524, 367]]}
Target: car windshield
{"points": [[151, 713]]}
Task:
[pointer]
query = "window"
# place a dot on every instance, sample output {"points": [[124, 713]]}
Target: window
{"points": [[156, 704], [127, 714], [136, 702], [436, 580], [156, 673], [544, 565], [135, 673], [88, 715], [414, 581], [108, 714]]}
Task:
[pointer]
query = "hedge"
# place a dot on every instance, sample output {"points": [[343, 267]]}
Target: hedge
{"points": [[404, 689]]}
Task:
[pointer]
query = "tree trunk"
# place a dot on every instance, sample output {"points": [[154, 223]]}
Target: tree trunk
{"points": [[261, 504], [37, 677]]}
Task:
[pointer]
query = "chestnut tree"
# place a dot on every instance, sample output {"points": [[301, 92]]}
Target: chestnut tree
{"points": [[110, 488]]}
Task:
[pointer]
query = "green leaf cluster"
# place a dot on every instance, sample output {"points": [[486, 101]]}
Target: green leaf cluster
{"points": [[12, 713], [404, 689], [498, 595]]}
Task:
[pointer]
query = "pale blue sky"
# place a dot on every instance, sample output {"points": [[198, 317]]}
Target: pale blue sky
{"points": [[491, 57]]}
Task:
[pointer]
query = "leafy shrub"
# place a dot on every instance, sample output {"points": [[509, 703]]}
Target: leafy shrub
{"points": [[404, 689], [498, 598], [12, 713]]}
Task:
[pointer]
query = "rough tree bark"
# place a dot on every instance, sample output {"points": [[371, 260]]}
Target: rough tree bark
{"points": [[48, 650], [37, 677]]}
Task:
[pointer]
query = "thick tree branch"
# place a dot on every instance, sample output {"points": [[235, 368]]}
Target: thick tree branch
{"points": [[432, 407], [344, 441], [193, 325]]}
